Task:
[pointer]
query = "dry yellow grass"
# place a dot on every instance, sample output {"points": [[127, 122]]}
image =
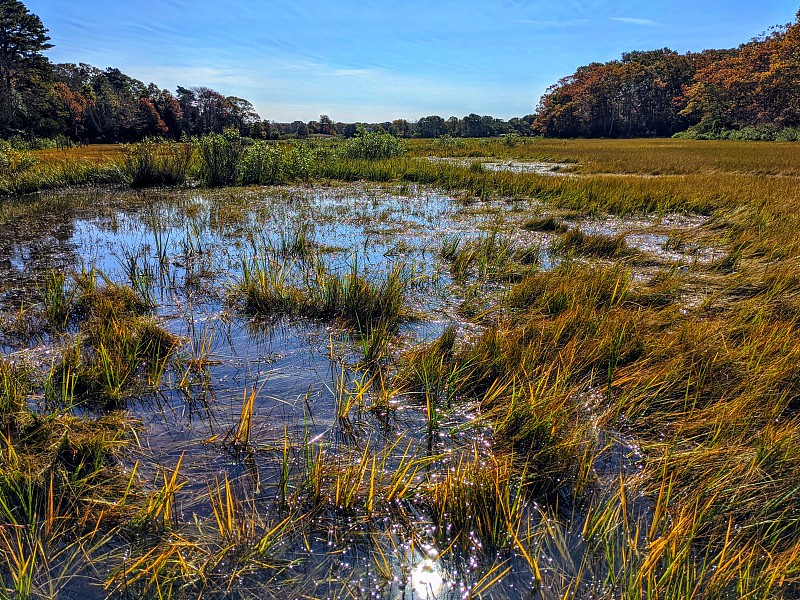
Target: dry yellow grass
{"points": [[97, 153]]}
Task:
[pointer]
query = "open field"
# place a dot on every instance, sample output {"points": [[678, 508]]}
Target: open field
{"points": [[475, 368]]}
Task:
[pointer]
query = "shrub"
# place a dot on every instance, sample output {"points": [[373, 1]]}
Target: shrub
{"points": [[219, 156], [14, 161], [373, 145], [301, 160], [262, 163], [449, 142]]}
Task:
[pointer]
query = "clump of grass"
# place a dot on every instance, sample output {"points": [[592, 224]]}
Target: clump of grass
{"points": [[545, 224], [489, 256], [152, 163], [15, 385], [268, 289], [476, 166], [357, 479], [57, 298], [297, 242], [570, 286], [60, 474], [239, 436], [600, 246], [661, 290], [433, 372], [116, 341], [358, 301], [478, 505]]}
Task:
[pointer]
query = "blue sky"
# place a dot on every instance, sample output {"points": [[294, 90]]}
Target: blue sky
{"points": [[384, 59]]}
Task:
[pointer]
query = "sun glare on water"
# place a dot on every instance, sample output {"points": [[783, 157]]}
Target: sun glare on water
{"points": [[426, 580]]}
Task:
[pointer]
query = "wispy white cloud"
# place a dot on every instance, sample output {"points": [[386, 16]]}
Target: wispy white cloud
{"points": [[353, 72], [643, 22], [292, 89], [552, 22]]}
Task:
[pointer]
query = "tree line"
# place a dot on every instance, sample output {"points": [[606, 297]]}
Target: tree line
{"points": [[646, 93], [661, 93], [86, 104]]}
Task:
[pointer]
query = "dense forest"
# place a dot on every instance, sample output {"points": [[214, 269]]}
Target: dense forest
{"points": [[752, 91]]}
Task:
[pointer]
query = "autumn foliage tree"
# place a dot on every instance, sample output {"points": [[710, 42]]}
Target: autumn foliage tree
{"points": [[661, 92], [757, 86], [634, 96]]}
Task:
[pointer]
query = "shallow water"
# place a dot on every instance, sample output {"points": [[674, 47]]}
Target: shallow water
{"points": [[191, 244]]}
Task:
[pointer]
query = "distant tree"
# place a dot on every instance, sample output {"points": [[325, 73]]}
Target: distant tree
{"points": [[191, 114], [242, 114], [23, 68], [260, 130], [215, 112], [429, 127], [401, 128], [635, 96], [521, 125], [326, 126], [756, 86], [454, 127], [300, 129], [351, 130], [72, 109], [169, 109], [150, 122]]}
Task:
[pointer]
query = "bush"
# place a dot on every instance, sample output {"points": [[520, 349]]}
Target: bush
{"points": [[14, 161], [19, 142], [762, 133], [262, 163], [373, 145], [301, 161], [219, 156], [449, 142], [789, 134]]}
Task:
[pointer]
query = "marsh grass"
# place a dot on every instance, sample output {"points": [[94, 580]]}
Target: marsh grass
{"points": [[151, 163], [61, 489], [432, 373], [55, 298], [15, 385], [545, 224], [478, 505], [272, 286], [115, 344], [219, 158], [637, 421], [491, 256], [597, 245]]}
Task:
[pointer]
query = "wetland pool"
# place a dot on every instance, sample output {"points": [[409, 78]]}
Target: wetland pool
{"points": [[295, 461]]}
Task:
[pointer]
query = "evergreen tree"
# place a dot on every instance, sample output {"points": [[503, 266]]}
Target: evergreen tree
{"points": [[23, 68]]}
